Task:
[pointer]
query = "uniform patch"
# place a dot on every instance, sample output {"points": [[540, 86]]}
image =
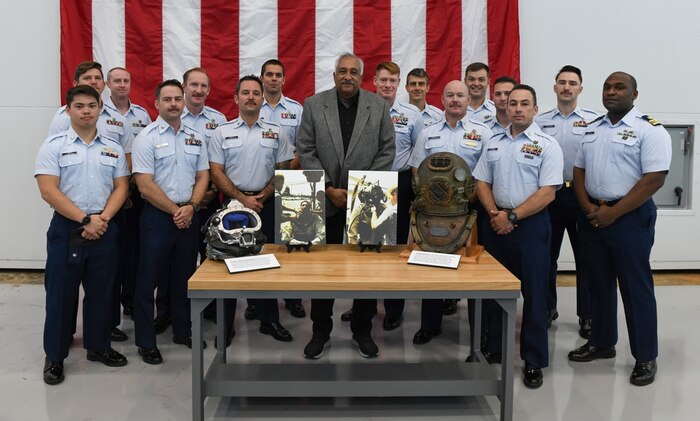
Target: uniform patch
{"points": [[488, 117], [288, 116], [471, 143], [400, 119], [161, 145], [114, 122], [473, 135], [531, 149], [231, 137], [627, 134], [193, 141], [580, 123], [139, 124], [69, 153], [433, 137], [591, 132], [270, 134], [548, 126], [111, 152], [211, 125]]}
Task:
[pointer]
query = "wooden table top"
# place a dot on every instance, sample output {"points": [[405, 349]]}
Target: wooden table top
{"points": [[343, 268]]}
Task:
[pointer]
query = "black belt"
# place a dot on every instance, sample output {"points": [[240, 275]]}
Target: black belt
{"points": [[179, 205], [601, 202]]}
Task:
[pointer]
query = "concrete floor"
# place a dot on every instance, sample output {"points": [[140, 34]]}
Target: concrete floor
{"points": [[571, 391]]}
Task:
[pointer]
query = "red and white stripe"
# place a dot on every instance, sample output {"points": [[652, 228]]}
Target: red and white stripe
{"points": [[160, 39]]}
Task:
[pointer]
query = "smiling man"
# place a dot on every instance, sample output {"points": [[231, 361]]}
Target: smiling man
{"points": [[567, 123], [344, 128], [517, 176], [477, 77], [418, 86], [623, 160]]}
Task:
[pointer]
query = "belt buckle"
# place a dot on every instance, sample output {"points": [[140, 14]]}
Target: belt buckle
{"points": [[567, 184], [602, 202]]}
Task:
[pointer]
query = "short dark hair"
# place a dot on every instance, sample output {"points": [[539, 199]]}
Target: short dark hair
{"points": [[569, 69], [418, 72], [271, 62], [632, 79], [504, 79], [190, 71], [475, 67], [248, 77], [169, 82], [84, 67], [522, 87], [82, 90]]}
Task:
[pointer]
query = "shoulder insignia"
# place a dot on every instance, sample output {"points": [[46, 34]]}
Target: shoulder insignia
{"points": [[55, 136], [651, 120], [597, 119]]}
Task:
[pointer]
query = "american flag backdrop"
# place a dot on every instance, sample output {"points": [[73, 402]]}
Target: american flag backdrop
{"points": [[160, 39]]}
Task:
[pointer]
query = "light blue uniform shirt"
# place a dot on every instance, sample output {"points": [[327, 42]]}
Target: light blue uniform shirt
{"points": [[111, 123], [205, 122], [484, 113], [568, 131], [286, 114], [172, 158], [408, 124], [249, 154], [616, 157], [136, 116], [496, 127], [431, 114], [517, 168], [467, 140], [86, 172]]}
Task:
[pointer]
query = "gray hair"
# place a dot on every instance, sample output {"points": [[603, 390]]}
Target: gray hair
{"points": [[350, 55]]}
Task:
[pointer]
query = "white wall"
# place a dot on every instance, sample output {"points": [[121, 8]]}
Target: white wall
{"points": [[652, 40]]}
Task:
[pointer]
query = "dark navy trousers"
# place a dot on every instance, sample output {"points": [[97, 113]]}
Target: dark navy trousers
{"points": [[168, 256], [67, 264], [619, 254], [525, 253], [564, 212]]}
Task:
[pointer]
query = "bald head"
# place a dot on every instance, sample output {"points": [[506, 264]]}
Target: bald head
{"points": [[630, 78], [455, 99]]}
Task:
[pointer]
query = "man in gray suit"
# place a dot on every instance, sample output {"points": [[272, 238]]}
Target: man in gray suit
{"points": [[344, 128]]}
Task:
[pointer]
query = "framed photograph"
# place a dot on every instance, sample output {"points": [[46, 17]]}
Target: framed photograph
{"points": [[300, 201], [372, 207]]}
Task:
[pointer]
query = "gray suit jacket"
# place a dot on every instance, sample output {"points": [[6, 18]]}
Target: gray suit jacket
{"points": [[320, 141]]}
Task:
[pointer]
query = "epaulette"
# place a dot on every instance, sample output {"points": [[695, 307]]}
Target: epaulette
{"points": [[440, 120], [651, 120], [61, 110], [548, 111], [55, 136], [295, 102], [139, 107], [479, 123], [211, 110], [597, 119], [191, 129]]}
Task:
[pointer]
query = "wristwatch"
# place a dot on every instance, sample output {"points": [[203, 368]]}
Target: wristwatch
{"points": [[512, 216], [195, 205], [86, 220]]}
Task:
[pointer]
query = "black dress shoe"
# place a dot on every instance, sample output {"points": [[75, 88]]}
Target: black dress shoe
{"points": [[423, 336], [53, 372], [296, 310], [108, 357], [161, 323], [585, 327], [128, 310], [117, 335], [643, 373], [449, 306], [151, 355], [250, 313], [186, 340], [532, 376], [347, 316], [552, 314], [229, 338], [588, 353], [276, 330], [392, 322]]}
